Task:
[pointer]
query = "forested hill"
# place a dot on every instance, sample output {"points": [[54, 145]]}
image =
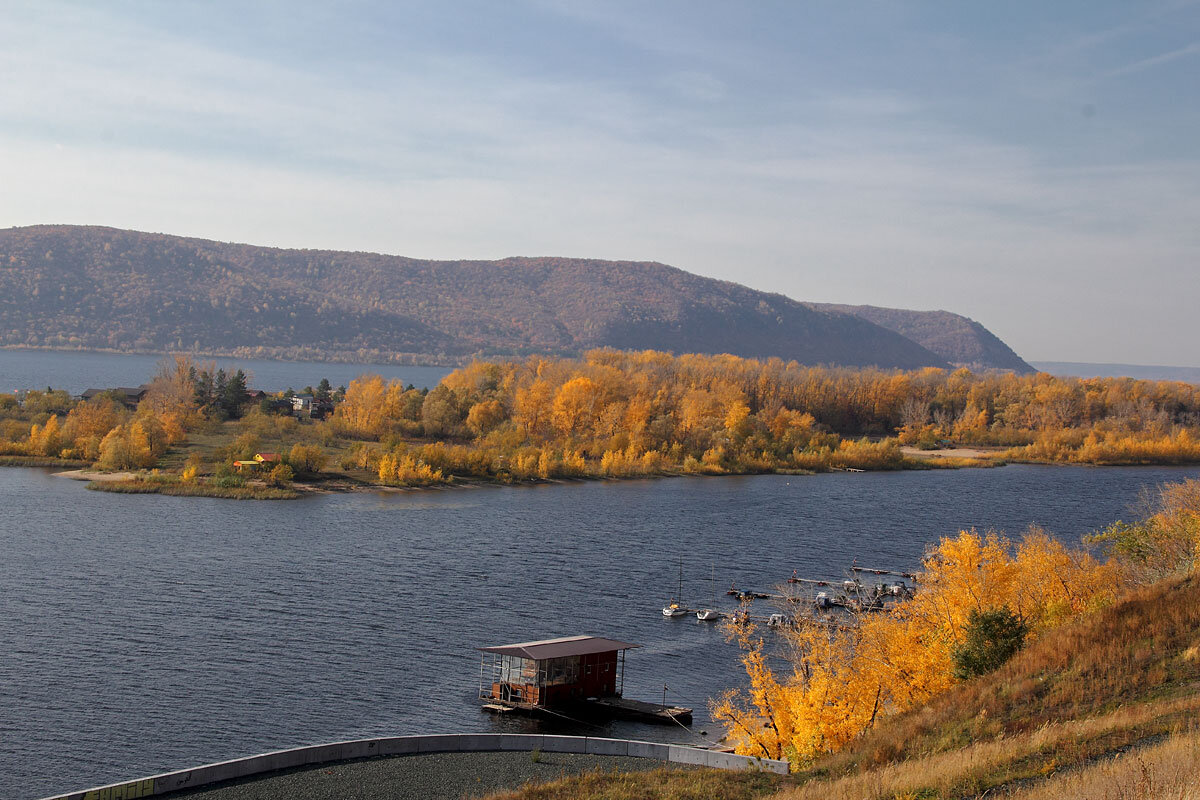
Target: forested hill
{"points": [[958, 339], [92, 287]]}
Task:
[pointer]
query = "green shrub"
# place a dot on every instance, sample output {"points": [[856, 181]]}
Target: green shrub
{"points": [[228, 481], [991, 638]]}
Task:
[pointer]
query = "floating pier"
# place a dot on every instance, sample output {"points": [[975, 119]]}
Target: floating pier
{"points": [[840, 598], [646, 712], [910, 575]]}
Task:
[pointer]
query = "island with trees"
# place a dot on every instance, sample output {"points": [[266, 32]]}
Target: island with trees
{"points": [[609, 414]]}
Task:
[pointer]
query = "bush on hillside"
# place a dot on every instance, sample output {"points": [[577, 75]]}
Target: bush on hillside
{"points": [[991, 637]]}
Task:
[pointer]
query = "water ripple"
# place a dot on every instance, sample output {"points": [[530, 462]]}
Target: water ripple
{"points": [[141, 634]]}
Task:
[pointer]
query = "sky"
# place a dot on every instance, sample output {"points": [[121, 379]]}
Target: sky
{"points": [[1034, 166]]}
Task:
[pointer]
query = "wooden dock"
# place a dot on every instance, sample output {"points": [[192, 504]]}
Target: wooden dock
{"points": [[606, 707], [646, 712]]}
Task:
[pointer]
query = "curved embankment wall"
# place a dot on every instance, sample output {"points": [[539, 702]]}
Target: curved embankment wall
{"points": [[409, 745]]}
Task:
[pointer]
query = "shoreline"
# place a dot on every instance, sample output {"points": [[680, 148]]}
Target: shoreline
{"points": [[130, 482]]}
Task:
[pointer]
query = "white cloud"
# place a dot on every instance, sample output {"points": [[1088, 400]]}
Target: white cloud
{"points": [[859, 195], [1154, 61]]}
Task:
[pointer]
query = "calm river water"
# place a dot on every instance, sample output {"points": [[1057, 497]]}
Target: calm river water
{"points": [[79, 371], [144, 633]]}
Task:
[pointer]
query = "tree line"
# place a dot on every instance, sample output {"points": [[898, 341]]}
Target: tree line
{"points": [[626, 413], [616, 413]]}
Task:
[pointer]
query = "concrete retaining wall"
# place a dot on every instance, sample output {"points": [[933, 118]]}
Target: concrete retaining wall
{"points": [[408, 745]]}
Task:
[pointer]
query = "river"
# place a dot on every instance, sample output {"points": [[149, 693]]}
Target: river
{"points": [[144, 633], [77, 372]]}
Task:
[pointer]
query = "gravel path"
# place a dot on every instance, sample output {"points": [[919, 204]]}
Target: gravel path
{"points": [[435, 776]]}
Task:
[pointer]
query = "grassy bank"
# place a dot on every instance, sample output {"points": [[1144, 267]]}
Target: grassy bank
{"points": [[198, 489], [40, 461]]}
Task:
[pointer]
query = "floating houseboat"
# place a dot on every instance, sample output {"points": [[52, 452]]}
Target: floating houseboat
{"points": [[571, 676]]}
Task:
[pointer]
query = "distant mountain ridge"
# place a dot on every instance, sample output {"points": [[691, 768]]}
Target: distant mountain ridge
{"points": [[960, 340], [104, 288]]}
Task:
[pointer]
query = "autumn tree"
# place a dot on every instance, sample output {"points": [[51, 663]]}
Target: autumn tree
{"points": [[484, 416], [88, 424], [307, 458], [441, 412], [172, 396], [532, 407], [840, 680], [369, 405], [138, 444], [573, 410]]}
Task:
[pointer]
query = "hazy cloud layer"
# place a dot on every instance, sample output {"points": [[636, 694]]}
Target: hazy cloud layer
{"points": [[1036, 169]]}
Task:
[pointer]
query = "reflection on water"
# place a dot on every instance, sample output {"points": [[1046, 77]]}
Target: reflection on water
{"points": [[143, 633]]}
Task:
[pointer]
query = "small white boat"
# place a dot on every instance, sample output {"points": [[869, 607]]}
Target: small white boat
{"points": [[710, 614], [674, 610], [776, 621], [675, 607]]}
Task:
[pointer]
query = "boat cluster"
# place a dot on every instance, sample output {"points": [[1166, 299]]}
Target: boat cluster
{"points": [[850, 594]]}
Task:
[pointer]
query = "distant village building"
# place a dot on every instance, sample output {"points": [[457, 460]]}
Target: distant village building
{"points": [[305, 405], [127, 395], [260, 460]]}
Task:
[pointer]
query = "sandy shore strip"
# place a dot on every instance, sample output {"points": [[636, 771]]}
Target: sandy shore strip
{"points": [[951, 452], [93, 475]]}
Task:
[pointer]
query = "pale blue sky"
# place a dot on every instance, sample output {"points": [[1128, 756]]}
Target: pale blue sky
{"points": [[1035, 166]]}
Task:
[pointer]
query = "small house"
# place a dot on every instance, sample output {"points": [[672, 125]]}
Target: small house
{"points": [[128, 395], [320, 409], [302, 404], [260, 460], [553, 672]]}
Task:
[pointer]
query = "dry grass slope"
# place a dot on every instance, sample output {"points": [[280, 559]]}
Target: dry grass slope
{"points": [[1167, 771], [659, 784]]}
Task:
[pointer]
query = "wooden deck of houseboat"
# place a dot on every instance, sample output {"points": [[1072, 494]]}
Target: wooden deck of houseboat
{"points": [[621, 707]]}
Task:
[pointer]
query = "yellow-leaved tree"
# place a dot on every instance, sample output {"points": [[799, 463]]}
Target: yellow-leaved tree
{"points": [[839, 679]]}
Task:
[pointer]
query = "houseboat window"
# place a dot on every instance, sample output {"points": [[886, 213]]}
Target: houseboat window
{"points": [[562, 670], [517, 670]]}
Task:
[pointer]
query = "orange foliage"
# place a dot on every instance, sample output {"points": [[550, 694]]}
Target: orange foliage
{"points": [[842, 679]]}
